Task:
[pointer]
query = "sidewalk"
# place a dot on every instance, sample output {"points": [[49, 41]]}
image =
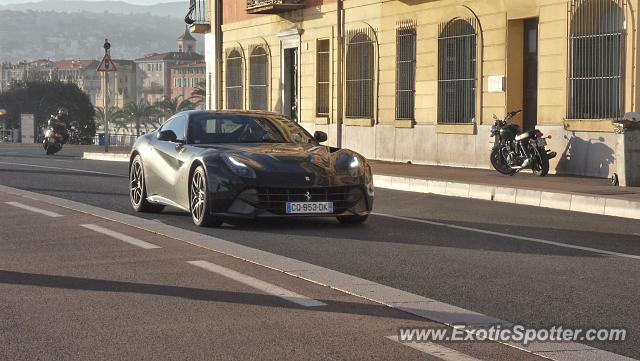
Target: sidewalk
{"points": [[580, 194]]}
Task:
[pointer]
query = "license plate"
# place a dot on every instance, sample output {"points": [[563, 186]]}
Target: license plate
{"points": [[309, 207], [542, 142]]}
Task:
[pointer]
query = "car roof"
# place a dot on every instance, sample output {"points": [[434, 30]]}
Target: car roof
{"points": [[236, 112]]}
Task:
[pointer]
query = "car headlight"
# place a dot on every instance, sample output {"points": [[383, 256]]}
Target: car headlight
{"points": [[355, 167], [238, 167]]}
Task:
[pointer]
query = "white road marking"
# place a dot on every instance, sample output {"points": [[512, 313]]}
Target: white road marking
{"points": [[120, 236], [34, 209], [514, 236], [63, 169], [436, 350], [258, 284]]}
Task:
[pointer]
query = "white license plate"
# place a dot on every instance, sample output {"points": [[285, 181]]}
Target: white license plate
{"points": [[309, 207], [542, 142]]}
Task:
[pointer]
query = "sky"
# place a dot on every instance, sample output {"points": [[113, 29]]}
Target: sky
{"points": [[136, 2]]}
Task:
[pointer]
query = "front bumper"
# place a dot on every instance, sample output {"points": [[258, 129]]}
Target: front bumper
{"points": [[267, 202]]}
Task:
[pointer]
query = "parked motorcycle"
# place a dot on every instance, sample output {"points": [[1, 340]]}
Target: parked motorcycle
{"points": [[515, 149]]}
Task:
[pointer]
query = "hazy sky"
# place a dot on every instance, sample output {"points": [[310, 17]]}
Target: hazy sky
{"points": [[137, 2]]}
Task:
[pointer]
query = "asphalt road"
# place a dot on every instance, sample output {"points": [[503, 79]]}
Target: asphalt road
{"points": [[522, 281]]}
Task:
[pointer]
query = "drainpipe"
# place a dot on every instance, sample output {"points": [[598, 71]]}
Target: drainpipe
{"points": [[217, 72], [339, 72]]}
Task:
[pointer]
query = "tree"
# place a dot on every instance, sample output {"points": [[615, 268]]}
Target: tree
{"points": [[171, 106], [117, 120], [199, 95], [140, 114], [44, 98]]}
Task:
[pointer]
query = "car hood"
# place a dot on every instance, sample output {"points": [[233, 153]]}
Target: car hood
{"points": [[287, 157]]}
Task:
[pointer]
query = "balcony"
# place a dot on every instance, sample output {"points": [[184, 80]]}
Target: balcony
{"points": [[273, 6], [198, 17]]}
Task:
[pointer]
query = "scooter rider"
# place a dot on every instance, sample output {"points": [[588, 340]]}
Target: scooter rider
{"points": [[58, 123]]}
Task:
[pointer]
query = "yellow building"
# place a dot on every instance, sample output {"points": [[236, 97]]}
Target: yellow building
{"points": [[420, 80]]}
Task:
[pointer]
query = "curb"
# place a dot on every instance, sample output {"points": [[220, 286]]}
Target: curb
{"points": [[109, 157], [576, 202]]}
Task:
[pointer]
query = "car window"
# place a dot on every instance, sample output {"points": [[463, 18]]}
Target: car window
{"points": [[179, 126], [232, 128]]}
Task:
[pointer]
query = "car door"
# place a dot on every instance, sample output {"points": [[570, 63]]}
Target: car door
{"points": [[168, 158]]}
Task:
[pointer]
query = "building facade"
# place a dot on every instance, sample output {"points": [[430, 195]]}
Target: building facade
{"points": [[154, 81], [420, 81], [122, 85], [186, 78]]}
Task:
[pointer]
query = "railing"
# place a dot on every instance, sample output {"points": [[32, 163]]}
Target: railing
{"points": [[116, 140], [273, 6], [197, 14]]}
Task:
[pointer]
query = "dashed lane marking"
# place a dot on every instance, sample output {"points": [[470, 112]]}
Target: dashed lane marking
{"points": [[435, 350], [258, 284], [120, 236], [34, 209]]}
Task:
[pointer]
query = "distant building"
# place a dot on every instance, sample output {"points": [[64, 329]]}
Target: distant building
{"points": [[80, 72], [154, 71], [122, 85], [185, 78]]}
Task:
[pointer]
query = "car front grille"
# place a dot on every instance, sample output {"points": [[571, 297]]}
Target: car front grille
{"points": [[274, 199]]}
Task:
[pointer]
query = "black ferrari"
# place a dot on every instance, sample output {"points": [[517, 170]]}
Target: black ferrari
{"points": [[224, 164]]}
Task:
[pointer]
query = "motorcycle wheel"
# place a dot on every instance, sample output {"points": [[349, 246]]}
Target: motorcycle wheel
{"points": [[540, 165], [499, 164]]}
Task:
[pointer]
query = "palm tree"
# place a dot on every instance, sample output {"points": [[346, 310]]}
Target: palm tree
{"points": [[140, 114], [115, 118], [171, 106], [199, 95]]}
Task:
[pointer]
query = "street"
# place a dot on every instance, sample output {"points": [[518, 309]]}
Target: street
{"points": [[69, 292]]}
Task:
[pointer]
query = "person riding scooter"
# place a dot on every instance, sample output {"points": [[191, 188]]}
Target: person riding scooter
{"points": [[58, 123]]}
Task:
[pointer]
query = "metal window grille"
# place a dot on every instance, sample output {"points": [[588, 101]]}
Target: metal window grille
{"points": [[405, 69], [234, 80], [457, 56], [258, 70], [322, 77], [596, 59], [360, 67]]}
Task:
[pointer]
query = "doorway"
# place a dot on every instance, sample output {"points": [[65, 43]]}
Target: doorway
{"points": [[530, 76], [522, 71], [290, 83]]}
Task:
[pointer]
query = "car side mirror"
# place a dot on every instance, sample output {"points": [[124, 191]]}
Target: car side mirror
{"points": [[321, 137], [167, 136]]}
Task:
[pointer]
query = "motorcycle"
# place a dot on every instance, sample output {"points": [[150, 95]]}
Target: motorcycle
{"points": [[515, 149], [54, 139]]}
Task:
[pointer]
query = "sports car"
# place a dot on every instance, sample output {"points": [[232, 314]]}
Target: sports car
{"points": [[246, 164]]}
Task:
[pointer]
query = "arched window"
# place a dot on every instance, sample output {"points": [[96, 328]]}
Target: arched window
{"points": [[360, 70], [234, 81], [457, 68], [258, 79], [596, 59]]}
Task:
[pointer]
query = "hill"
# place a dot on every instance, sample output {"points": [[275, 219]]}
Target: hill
{"points": [[170, 9], [30, 35]]}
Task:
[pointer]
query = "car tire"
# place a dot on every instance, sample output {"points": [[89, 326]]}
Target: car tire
{"points": [[200, 200], [138, 189], [354, 219]]}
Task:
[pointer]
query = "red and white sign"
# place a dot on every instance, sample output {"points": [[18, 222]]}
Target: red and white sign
{"points": [[107, 64]]}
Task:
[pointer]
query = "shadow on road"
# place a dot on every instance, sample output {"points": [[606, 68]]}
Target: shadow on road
{"points": [[198, 294]]}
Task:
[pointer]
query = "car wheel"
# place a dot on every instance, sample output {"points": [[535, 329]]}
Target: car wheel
{"points": [[199, 200], [138, 189], [354, 219]]}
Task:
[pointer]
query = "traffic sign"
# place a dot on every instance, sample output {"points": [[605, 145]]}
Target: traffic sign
{"points": [[107, 64]]}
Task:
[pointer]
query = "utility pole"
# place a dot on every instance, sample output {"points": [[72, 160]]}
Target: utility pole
{"points": [[106, 66]]}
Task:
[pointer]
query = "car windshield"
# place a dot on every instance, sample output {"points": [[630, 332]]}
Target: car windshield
{"points": [[233, 128]]}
